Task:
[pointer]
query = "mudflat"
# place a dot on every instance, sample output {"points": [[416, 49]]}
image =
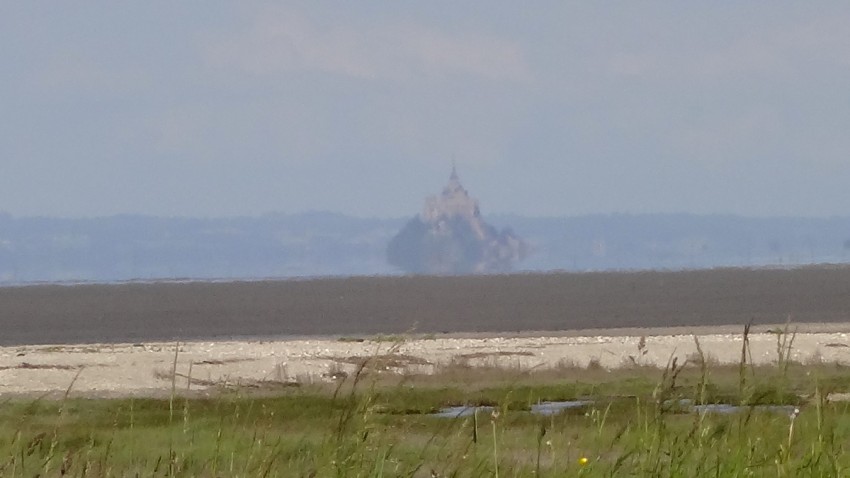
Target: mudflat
{"points": [[366, 306]]}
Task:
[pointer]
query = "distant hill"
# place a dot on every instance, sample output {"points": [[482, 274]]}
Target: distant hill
{"points": [[141, 247], [679, 241], [321, 244]]}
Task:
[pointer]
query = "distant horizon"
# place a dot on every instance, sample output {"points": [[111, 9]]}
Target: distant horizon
{"points": [[397, 218], [316, 244]]}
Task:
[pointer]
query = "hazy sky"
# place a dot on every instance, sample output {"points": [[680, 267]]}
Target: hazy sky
{"points": [[550, 108]]}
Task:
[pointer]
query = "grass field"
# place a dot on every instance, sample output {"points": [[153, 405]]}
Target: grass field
{"points": [[638, 421]]}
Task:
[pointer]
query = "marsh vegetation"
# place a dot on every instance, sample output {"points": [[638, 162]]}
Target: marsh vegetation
{"points": [[632, 421]]}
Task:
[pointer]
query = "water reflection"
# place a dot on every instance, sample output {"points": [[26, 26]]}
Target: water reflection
{"points": [[554, 408], [459, 412], [542, 408], [550, 408]]}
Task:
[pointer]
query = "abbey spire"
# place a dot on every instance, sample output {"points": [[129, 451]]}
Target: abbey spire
{"points": [[454, 187]]}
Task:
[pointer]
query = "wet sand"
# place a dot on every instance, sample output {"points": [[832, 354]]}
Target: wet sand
{"points": [[366, 306]]}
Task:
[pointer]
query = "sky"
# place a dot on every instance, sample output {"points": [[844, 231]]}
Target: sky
{"points": [[548, 108]]}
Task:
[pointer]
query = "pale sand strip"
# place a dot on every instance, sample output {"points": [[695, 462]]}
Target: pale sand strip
{"points": [[144, 369]]}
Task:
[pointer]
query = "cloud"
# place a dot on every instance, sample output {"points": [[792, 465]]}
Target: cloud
{"points": [[280, 41]]}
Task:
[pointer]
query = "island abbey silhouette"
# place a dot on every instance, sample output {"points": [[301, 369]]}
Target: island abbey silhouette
{"points": [[450, 237]]}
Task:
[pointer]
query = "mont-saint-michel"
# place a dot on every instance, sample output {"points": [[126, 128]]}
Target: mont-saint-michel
{"points": [[449, 236]]}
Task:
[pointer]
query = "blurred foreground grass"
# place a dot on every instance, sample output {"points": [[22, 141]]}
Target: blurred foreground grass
{"points": [[374, 424]]}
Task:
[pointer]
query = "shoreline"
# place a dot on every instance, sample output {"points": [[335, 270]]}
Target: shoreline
{"points": [[207, 367]]}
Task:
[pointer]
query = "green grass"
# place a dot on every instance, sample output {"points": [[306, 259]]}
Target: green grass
{"points": [[377, 424]]}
